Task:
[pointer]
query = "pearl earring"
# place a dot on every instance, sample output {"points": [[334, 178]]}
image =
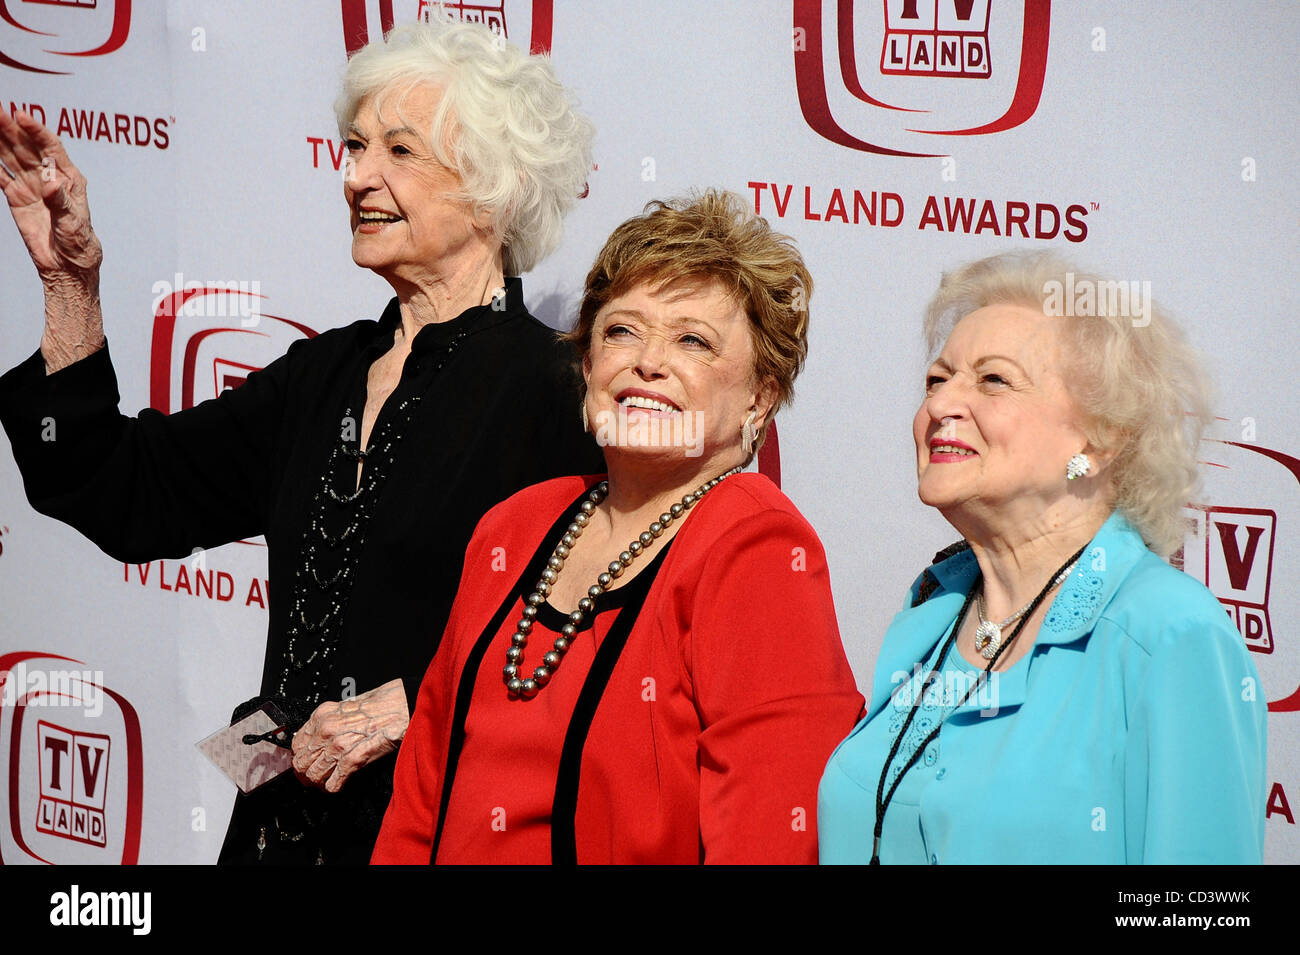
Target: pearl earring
{"points": [[1078, 466]]}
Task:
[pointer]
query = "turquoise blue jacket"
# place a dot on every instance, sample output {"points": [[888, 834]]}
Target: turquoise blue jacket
{"points": [[1132, 732]]}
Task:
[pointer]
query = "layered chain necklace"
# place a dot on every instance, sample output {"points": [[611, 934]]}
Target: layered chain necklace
{"points": [[528, 687]]}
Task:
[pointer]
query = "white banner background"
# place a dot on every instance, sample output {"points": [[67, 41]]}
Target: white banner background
{"points": [[1172, 126]]}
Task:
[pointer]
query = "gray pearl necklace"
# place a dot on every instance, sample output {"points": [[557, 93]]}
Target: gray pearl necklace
{"points": [[529, 687]]}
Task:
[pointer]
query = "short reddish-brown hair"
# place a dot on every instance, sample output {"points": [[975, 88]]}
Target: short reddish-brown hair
{"points": [[711, 236]]}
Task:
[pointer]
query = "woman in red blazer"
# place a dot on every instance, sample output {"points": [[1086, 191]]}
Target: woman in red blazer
{"points": [[645, 667]]}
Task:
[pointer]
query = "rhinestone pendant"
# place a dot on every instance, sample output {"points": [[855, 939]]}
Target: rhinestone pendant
{"points": [[988, 637]]}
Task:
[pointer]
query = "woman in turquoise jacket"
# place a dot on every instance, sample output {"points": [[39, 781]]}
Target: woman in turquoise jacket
{"points": [[1054, 691]]}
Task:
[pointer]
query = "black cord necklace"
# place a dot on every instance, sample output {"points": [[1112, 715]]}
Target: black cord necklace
{"points": [[883, 799]]}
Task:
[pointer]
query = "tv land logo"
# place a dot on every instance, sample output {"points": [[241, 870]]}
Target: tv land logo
{"points": [[74, 781], [937, 39], [71, 748], [1234, 551], [528, 25], [1235, 560], [918, 47], [39, 36], [209, 337]]}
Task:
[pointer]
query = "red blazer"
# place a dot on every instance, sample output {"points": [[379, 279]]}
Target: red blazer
{"points": [[689, 722]]}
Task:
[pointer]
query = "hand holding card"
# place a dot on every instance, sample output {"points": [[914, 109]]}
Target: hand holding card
{"points": [[251, 764]]}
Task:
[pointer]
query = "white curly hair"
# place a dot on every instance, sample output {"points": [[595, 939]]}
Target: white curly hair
{"points": [[1143, 389], [504, 123]]}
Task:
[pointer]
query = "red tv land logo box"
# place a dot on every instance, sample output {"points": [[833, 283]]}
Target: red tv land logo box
{"points": [[52, 36], [898, 77], [1243, 543], [1231, 552], [932, 38], [74, 766], [525, 23], [74, 782]]}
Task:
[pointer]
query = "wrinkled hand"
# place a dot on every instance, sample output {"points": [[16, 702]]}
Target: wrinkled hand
{"points": [[47, 198], [342, 737]]}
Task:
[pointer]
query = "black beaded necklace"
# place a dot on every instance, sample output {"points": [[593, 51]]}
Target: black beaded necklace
{"points": [[883, 799]]}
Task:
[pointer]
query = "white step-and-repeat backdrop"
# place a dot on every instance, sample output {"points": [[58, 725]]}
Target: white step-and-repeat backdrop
{"points": [[1155, 142]]}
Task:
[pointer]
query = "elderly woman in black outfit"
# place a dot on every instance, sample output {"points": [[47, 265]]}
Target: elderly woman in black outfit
{"points": [[365, 455]]}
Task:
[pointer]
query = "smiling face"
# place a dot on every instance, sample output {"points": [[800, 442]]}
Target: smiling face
{"points": [[681, 351], [406, 225], [997, 425]]}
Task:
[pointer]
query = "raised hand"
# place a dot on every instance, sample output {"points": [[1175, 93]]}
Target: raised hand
{"points": [[47, 198]]}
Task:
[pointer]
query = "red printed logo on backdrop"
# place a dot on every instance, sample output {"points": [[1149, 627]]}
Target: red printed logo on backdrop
{"points": [[929, 38], [914, 50], [528, 25], [208, 338], [74, 781], [1237, 565], [72, 751], [769, 456], [1234, 551], [47, 31]]}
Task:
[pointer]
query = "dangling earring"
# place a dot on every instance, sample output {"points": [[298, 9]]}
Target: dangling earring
{"points": [[1078, 466], [585, 426], [747, 434]]}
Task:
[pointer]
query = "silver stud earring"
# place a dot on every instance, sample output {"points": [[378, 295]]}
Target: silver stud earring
{"points": [[585, 426], [1078, 466], [747, 434]]}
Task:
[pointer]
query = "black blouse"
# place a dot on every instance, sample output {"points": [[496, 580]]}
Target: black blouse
{"points": [[487, 404]]}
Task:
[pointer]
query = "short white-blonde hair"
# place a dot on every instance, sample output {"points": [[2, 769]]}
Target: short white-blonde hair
{"points": [[1143, 389], [504, 123]]}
